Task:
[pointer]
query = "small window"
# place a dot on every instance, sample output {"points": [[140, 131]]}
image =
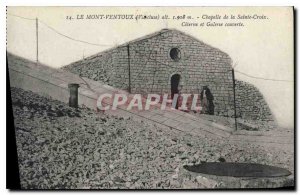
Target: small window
{"points": [[175, 54]]}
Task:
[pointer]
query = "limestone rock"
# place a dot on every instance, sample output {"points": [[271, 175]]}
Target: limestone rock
{"points": [[208, 183]]}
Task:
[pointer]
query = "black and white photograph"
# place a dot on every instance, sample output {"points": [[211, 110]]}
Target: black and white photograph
{"points": [[151, 98]]}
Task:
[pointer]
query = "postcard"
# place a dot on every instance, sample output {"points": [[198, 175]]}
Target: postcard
{"points": [[151, 97]]}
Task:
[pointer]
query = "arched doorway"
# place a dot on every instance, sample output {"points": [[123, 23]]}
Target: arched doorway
{"points": [[175, 79]]}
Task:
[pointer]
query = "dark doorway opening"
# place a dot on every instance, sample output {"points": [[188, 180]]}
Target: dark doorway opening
{"points": [[175, 79], [207, 101]]}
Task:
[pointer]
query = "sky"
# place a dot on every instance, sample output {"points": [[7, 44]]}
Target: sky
{"points": [[261, 48]]}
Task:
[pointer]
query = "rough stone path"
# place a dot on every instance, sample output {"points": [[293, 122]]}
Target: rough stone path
{"points": [[52, 82]]}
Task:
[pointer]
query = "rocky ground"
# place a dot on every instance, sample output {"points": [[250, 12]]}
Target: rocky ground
{"points": [[60, 147]]}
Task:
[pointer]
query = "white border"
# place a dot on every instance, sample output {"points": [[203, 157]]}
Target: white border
{"points": [[5, 3]]}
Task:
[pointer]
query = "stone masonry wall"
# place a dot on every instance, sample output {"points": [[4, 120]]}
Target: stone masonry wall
{"points": [[110, 67], [151, 68], [199, 65], [98, 67], [250, 103]]}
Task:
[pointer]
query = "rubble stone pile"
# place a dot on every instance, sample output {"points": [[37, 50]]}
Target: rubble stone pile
{"points": [[251, 103], [66, 148]]}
